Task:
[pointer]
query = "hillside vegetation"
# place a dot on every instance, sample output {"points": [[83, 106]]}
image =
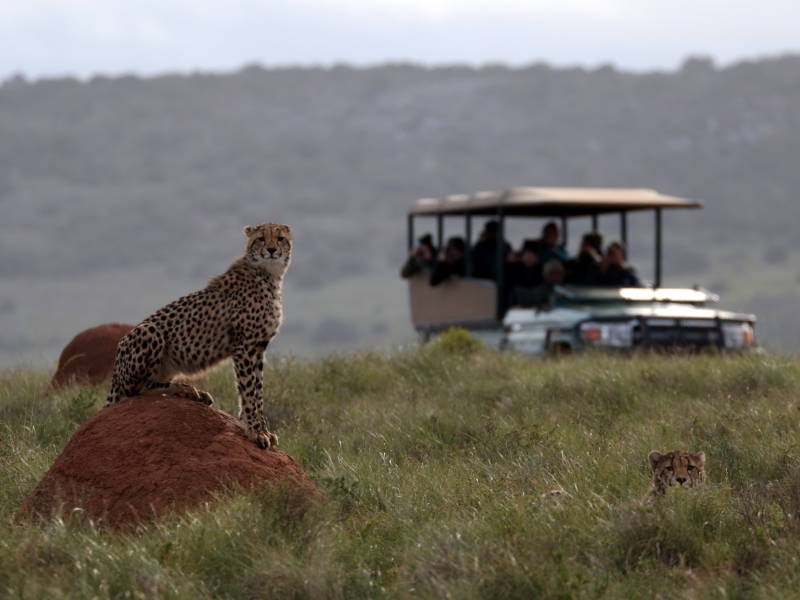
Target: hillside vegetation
{"points": [[120, 194], [452, 472]]}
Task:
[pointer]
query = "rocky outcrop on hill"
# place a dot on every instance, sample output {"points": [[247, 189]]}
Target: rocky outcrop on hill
{"points": [[145, 457]]}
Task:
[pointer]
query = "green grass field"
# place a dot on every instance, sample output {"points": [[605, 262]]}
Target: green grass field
{"points": [[438, 464]]}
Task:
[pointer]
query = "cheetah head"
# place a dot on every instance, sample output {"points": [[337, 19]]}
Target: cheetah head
{"points": [[678, 468], [269, 247]]}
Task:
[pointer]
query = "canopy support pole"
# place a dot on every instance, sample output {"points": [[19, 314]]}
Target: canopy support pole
{"points": [[468, 245], [439, 231], [501, 263], [594, 222], [623, 228], [658, 248], [410, 232]]}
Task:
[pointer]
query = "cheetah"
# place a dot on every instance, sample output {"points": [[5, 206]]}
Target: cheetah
{"points": [[677, 467], [236, 315]]}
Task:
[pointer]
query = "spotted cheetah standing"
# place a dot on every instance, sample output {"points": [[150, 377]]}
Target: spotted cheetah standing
{"points": [[235, 315]]}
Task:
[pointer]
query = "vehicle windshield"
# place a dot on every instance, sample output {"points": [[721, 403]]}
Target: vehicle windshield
{"points": [[573, 295]]}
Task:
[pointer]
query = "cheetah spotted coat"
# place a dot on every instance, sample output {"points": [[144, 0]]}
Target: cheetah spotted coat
{"points": [[235, 316]]}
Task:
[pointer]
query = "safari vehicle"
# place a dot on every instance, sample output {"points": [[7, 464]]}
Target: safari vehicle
{"points": [[575, 317]]}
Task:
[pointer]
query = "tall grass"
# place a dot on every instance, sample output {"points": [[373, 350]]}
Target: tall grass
{"points": [[451, 471]]}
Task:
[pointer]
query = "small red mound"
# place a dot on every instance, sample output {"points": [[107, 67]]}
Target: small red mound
{"points": [[89, 357], [147, 456]]}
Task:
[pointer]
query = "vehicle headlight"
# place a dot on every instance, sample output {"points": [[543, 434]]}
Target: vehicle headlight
{"points": [[738, 335], [615, 334]]}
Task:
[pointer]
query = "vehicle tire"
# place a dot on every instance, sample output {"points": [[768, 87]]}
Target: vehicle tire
{"points": [[559, 349]]}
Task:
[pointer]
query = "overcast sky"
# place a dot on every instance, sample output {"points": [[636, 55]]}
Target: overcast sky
{"points": [[85, 37]]}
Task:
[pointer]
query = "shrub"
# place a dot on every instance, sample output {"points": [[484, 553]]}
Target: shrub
{"points": [[457, 341]]}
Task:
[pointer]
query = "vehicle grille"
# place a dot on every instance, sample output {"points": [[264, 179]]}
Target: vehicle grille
{"points": [[677, 333]]}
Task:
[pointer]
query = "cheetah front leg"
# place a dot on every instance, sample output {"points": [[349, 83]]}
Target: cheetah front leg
{"points": [[248, 363]]}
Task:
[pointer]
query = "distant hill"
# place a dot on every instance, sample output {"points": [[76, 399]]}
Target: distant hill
{"points": [[119, 193]]}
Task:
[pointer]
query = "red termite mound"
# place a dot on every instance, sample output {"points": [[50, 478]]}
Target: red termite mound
{"points": [[89, 357], [146, 456]]}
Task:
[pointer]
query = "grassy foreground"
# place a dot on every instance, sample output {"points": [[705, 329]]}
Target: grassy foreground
{"points": [[439, 466]]}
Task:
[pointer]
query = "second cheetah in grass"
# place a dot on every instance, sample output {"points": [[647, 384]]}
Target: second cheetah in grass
{"points": [[676, 468]]}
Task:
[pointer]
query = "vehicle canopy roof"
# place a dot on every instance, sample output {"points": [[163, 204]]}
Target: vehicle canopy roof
{"points": [[550, 202]]}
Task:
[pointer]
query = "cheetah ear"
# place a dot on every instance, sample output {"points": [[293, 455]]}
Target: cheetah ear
{"points": [[250, 230], [654, 457], [700, 457]]}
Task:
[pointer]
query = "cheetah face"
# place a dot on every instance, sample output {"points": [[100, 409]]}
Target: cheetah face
{"points": [[269, 247], [678, 468]]}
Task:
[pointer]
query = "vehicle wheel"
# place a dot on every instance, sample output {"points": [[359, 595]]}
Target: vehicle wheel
{"points": [[560, 349]]}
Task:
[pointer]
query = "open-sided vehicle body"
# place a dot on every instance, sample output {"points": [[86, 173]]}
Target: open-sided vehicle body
{"points": [[576, 317]]}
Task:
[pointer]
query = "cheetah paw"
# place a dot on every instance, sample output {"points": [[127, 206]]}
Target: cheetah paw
{"points": [[200, 396], [204, 397], [263, 439], [183, 390]]}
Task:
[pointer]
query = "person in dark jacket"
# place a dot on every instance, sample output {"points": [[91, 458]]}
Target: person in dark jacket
{"points": [[526, 270], [484, 254], [450, 262], [549, 246], [420, 259], [522, 276], [553, 274], [585, 268], [615, 270]]}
